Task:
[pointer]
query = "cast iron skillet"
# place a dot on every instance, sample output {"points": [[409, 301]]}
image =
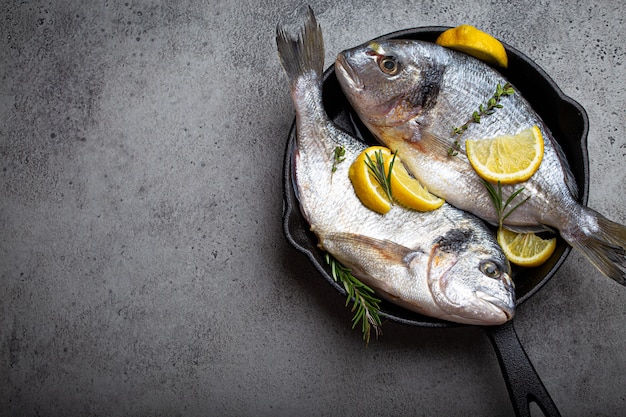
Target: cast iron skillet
{"points": [[569, 124]]}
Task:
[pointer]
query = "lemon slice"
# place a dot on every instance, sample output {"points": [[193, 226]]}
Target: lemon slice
{"points": [[408, 191], [525, 249], [509, 159], [474, 42], [365, 184]]}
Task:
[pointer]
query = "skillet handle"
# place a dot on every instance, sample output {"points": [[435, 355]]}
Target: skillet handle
{"points": [[521, 379]]}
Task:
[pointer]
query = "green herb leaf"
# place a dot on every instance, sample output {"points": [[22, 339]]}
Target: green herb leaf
{"points": [[492, 104], [365, 305], [455, 148], [496, 198], [509, 201], [338, 157], [377, 167]]}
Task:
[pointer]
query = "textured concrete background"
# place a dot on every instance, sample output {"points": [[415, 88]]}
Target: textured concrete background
{"points": [[143, 267]]}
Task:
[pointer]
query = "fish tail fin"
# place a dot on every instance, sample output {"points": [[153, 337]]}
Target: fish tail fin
{"points": [[602, 241], [300, 44]]}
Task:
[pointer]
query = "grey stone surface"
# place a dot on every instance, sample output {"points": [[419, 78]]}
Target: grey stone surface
{"points": [[144, 270]]}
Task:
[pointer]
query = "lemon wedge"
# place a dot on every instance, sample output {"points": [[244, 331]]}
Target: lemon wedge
{"points": [[525, 249], [509, 158], [474, 42], [408, 191], [365, 184]]}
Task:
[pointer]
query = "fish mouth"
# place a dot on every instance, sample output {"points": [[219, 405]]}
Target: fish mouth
{"points": [[499, 306], [502, 307], [347, 73]]}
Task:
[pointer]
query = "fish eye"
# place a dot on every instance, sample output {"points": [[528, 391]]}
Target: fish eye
{"points": [[389, 65], [490, 269]]}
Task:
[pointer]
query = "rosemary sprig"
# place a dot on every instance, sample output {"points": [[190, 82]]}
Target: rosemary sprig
{"points": [[377, 167], [338, 156], [483, 110], [496, 198], [492, 104], [364, 304]]}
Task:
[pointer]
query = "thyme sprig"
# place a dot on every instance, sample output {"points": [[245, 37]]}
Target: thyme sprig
{"points": [[339, 155], [483, 110], [383, 176], [497, 199], [365, 305]]}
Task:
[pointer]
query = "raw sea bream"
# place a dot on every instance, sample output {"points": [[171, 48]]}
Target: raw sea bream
{"points": [[444, 263], [412, 94]]}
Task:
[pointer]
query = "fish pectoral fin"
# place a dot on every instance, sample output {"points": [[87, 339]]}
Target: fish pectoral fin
{"points": [[438, 145], [353, 249]]}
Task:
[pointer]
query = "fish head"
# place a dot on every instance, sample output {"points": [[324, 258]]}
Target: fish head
{"points": [[391, 82], [469, 280]]}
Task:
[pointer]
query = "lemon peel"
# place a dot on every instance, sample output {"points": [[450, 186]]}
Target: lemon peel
{"points": [[475, 42], [366, 187], [409, 192]]}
